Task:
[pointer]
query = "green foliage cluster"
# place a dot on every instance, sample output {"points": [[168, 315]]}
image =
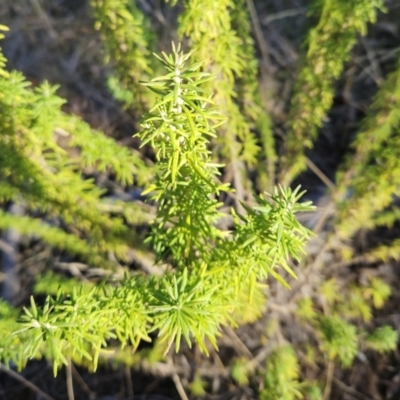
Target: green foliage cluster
{"points": [[372, 174], [203, 118], [328, 47], [189, 301], [220, 33], [127, 39], [334, 315], [282, 378], [46, 178], [337, 320]]}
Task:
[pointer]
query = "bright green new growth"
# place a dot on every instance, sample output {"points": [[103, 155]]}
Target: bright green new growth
{"points": [[281, 380], [186, 188], [225, 53], [329, 46], [186, 185], [189, 300]]}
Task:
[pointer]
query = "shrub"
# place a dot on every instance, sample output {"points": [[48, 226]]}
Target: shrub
{"points": [[215, 235]]}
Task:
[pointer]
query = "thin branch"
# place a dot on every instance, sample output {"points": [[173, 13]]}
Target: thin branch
{"points": [[293, 12], [329, 378], [265, 70], [238, 182], [328, 211], [320, 174], [179, 387], [85, 387], [178, 383], [350, 390], [239, 344], [25, 382], [43, 15], [70, 383], [129, 383], [259, 34], [295, 292], [372, 58], [340, 384]]}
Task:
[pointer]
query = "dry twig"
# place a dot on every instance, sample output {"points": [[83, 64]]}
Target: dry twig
{"points": [[25, 382]]}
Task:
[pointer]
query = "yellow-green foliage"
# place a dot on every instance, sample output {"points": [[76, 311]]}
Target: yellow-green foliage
{"points": [[197, 386], [378, 292], [54, 236], [252, 302], [2, 58], [305, 310], [338, 338], [330, 291], [189, 302], [10, 345], [372, 175], [281, 379], [249, 97], [214, 275], [383, 340], [388, 218], [223, 51], [328, 48], [50, 283], [43, 176], [127, 40], [385, 252], [240, 371]]}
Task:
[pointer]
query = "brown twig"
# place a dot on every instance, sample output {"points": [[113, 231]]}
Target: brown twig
{"points": [[325, 215], [259, 34], [237, 342], [307, 271], [320, 174], [265, 71], [329, 378], [42, 14], [70, 383], [129, 382], [340, 384], [350, 390], [84, 386], [25, 382], [177, 382]]}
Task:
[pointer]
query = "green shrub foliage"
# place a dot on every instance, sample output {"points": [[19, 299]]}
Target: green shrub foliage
{"points": [[40, 174], [190, 301], [127, 38], [206, 126], [329, 45]]}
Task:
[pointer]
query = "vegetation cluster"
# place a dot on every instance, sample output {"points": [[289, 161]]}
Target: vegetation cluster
{"points": [[202, 226]]}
